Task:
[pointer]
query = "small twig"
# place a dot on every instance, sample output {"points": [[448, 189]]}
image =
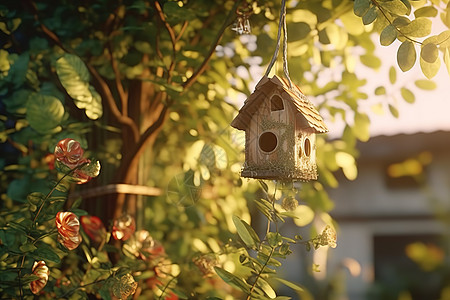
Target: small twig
{"points": [[180, 34], [172, 36], [122, 94], [396, 28], [165, 288], [54, 188], [80, 287], [260, 272], [20, 277]]}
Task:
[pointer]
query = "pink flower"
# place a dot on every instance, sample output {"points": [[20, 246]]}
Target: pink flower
{"points": [[67, 223], [69, 152], [41, 270], [68, 227], [69, 156], [94, 228], [123, 227], [70, 242]]}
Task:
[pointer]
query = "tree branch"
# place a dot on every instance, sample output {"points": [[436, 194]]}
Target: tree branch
{"points": [[122, 94], [140, 146], [125, 120], [183, 28], [106, 91], [172, 36], [208, 56]]}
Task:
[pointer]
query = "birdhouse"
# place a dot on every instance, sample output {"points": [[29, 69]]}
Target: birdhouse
{"points": [[280, 124]]}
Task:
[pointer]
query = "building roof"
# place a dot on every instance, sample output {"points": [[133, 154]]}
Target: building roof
{"points": [[298, 99], [399, 146]]}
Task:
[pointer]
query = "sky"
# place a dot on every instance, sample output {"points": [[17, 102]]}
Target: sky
{"points": [[430, 112]]}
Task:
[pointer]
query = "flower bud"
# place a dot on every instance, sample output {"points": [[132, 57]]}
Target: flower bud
{"points": [[123, 227], [41, 270], [69, 152]]}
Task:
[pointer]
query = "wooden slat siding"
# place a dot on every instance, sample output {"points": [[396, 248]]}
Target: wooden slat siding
{"points": [[253, 140]]}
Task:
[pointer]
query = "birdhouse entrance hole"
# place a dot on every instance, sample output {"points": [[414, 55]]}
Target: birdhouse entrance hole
{"points": [[276, 103], [268, 141], [307, 147]]}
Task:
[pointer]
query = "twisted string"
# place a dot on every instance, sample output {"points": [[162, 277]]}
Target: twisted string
{"points": [[281, 25]]}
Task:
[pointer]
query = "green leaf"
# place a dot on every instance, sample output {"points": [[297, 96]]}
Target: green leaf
{"points": [[392, 75], [252, 232], [407, 95], [28, 247], [284, 249], [370, 61], [408, 6], [370, 15], [44, 113], [74, 77], [361, 127], [360, 7], [393, 110], [243, 233], [95, 109], [27, 278], [426, 11], [406, 56], [16, 103], [264, 186], [265, 207], [18, 71], [265, 286], [77, 202], [430, 69], [395, 7], [425, 84], [419, 27], [274, 239], [232, 280], [287, 283], [45, 252], [447, 59], [35, 198], [298, 31], [380, 90], [265, 259], [400, 22], [429, 53], [179, 293], [443, 39], [79, 212], [388, 35]]}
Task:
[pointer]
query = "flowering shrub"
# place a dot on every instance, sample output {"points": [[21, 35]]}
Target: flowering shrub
{"points": [[37, 242]]}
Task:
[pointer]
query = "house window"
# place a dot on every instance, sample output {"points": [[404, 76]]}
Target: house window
{"points": [[307, 147], [276, 103], [268, 141]]}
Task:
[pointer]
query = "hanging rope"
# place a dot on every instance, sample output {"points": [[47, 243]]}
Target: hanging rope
{"points": [[281, 25]]}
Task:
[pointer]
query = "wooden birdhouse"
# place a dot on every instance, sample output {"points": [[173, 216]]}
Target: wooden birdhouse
{"points": [[280, 124]]}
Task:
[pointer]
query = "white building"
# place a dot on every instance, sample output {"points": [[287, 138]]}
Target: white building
{"points": [[381, 212]]}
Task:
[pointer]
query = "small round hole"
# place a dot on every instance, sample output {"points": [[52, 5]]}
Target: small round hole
{"points": [[268, 141]]}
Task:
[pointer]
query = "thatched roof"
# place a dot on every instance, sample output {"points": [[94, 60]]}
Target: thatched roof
{"points": [[298, 99]]}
